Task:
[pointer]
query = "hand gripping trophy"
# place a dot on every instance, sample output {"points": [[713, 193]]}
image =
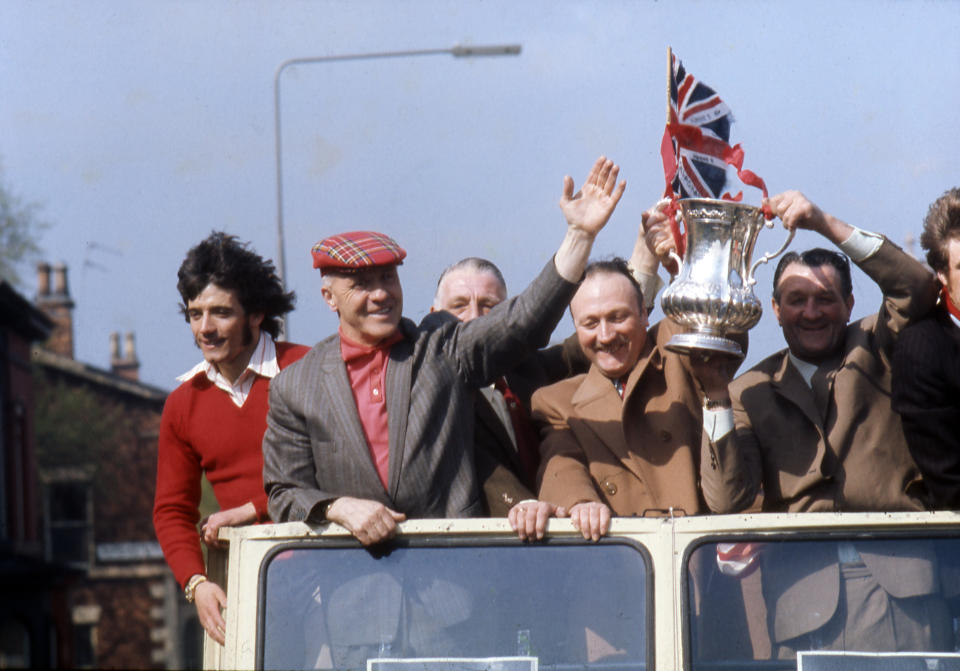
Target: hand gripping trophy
{"points": [[712, 293]]}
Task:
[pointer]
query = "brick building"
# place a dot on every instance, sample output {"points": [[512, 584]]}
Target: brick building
{"points": [[33, 612], [96, 454]]}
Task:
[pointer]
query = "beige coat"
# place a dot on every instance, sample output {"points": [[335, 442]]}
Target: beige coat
{"points": [[638, 455], [854, 459]]}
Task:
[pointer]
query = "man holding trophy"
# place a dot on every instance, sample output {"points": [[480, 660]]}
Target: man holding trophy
{"points": [[811, 428], [623, 438]]}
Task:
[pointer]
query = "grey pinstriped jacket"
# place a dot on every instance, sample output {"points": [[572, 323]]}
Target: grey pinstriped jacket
{"points": [[315, 450]]}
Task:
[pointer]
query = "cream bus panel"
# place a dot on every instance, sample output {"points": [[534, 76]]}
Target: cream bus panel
{"points": [[704, 593]]}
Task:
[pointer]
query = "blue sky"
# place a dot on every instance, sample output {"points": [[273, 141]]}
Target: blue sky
{"points": [[139, 127]]}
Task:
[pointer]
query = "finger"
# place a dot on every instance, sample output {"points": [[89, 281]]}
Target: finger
{"points": [[593, 522], [530, 521], [662, 248], [596, 170], [524, 528], [610, 177], [543, 513], [600, 177], [618, 193], [604, 520], [567, 189], [583, 523], [575, 518]]}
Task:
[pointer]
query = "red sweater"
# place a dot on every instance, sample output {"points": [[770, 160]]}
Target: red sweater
{"points": [[203, 432]]}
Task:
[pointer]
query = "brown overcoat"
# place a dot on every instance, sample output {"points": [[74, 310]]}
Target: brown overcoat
{"points": [[847, 454], [638, 455], [854, 458]]}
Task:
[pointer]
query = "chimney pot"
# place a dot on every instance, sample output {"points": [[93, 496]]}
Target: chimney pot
{"points": [[114, 348], [43, 279], [58, 306], [60, 280], [126, 366], [129, 351]]}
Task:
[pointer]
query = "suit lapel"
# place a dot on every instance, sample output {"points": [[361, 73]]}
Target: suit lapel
{"points": [[487, 415], [338, 397], [597, 402], [788, 383], [399, 386], [639, 463]]}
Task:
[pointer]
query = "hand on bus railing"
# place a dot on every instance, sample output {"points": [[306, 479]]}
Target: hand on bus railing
{"points": [[529, 518]]}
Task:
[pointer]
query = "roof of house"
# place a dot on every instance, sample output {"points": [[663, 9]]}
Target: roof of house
{"points": [[98, 376]]}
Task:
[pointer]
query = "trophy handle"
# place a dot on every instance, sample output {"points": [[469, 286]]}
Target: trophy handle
{"points": [[751, 280], [676, 257]]}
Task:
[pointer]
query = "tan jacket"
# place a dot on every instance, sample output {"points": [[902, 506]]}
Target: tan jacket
{"points": [[637, 455], [854, 459]]}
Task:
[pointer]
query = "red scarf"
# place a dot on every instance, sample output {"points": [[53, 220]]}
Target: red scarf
{"points": [[951, 306]]}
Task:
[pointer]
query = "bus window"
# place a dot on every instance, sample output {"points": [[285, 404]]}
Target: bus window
{"points": [[769, 599], [563, 605]]}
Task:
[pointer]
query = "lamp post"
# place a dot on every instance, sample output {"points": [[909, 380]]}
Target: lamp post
{"points": [[458, 51]]}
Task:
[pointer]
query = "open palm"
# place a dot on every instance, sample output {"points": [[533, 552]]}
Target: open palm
{"points": [[590, 208]]}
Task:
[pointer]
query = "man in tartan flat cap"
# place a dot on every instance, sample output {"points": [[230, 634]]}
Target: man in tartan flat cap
{"points": [[375, 423]]}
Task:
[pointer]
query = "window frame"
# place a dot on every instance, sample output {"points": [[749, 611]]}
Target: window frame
{"points": [[415, 541]]}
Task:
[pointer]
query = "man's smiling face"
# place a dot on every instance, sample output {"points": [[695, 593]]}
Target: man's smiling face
{"points": [[222, 330], [812, 310], [369, 302], [611, 324]]}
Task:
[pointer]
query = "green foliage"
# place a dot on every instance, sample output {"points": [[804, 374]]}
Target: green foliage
{"points": [[73, 426], [19, 230]]}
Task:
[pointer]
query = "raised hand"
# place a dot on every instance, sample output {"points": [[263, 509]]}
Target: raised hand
{"points": [[797, 211], [656, 231], [590, 208]]}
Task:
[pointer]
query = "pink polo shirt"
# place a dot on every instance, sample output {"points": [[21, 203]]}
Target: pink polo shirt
{"points": [[367, 370]]}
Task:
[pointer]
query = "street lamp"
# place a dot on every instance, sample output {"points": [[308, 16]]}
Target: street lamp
{"points": [[458, 51]]}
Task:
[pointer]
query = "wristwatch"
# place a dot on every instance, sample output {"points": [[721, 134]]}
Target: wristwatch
{"points": [[190, 590], [722, 404]]}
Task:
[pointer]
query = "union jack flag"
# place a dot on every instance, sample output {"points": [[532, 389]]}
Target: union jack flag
{"points": [[696, 145], [701, 168]]}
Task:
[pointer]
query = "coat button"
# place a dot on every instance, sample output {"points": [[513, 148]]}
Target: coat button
{"points": [[665, 436], [609, 488]]}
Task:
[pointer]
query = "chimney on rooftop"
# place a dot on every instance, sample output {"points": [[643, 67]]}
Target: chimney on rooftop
{"points": [[126, 366], [58, 305]]}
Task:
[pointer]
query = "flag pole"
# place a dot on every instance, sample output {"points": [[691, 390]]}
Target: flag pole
{"points": [[669, 75]]}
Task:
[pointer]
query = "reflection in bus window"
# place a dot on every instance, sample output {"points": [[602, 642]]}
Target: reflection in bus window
{"points": [[567, 605], [770, 599]]}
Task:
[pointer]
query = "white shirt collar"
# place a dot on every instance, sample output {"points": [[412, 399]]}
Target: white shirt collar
{"points": [[805, 368], [263, 362]]}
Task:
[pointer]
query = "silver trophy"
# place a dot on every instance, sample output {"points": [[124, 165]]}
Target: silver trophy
{"points": [[712, 294]]}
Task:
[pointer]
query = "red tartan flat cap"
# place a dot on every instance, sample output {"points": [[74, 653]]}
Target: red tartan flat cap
{"points": [[347, 252]]}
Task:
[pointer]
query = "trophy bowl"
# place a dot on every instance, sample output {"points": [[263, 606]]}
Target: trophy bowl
{"points": [[712, 294]]}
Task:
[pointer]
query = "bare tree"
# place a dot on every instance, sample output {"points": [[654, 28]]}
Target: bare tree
{"points": [[20, 230]]}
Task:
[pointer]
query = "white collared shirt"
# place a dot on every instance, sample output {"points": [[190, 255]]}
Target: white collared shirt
{"points": [[263, 362]]}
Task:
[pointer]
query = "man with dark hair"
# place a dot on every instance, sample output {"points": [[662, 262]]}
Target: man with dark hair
{"points": [[505, 439], [926, 366], [622, 439], [811, 428], [213, 423], [376, 422]]}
